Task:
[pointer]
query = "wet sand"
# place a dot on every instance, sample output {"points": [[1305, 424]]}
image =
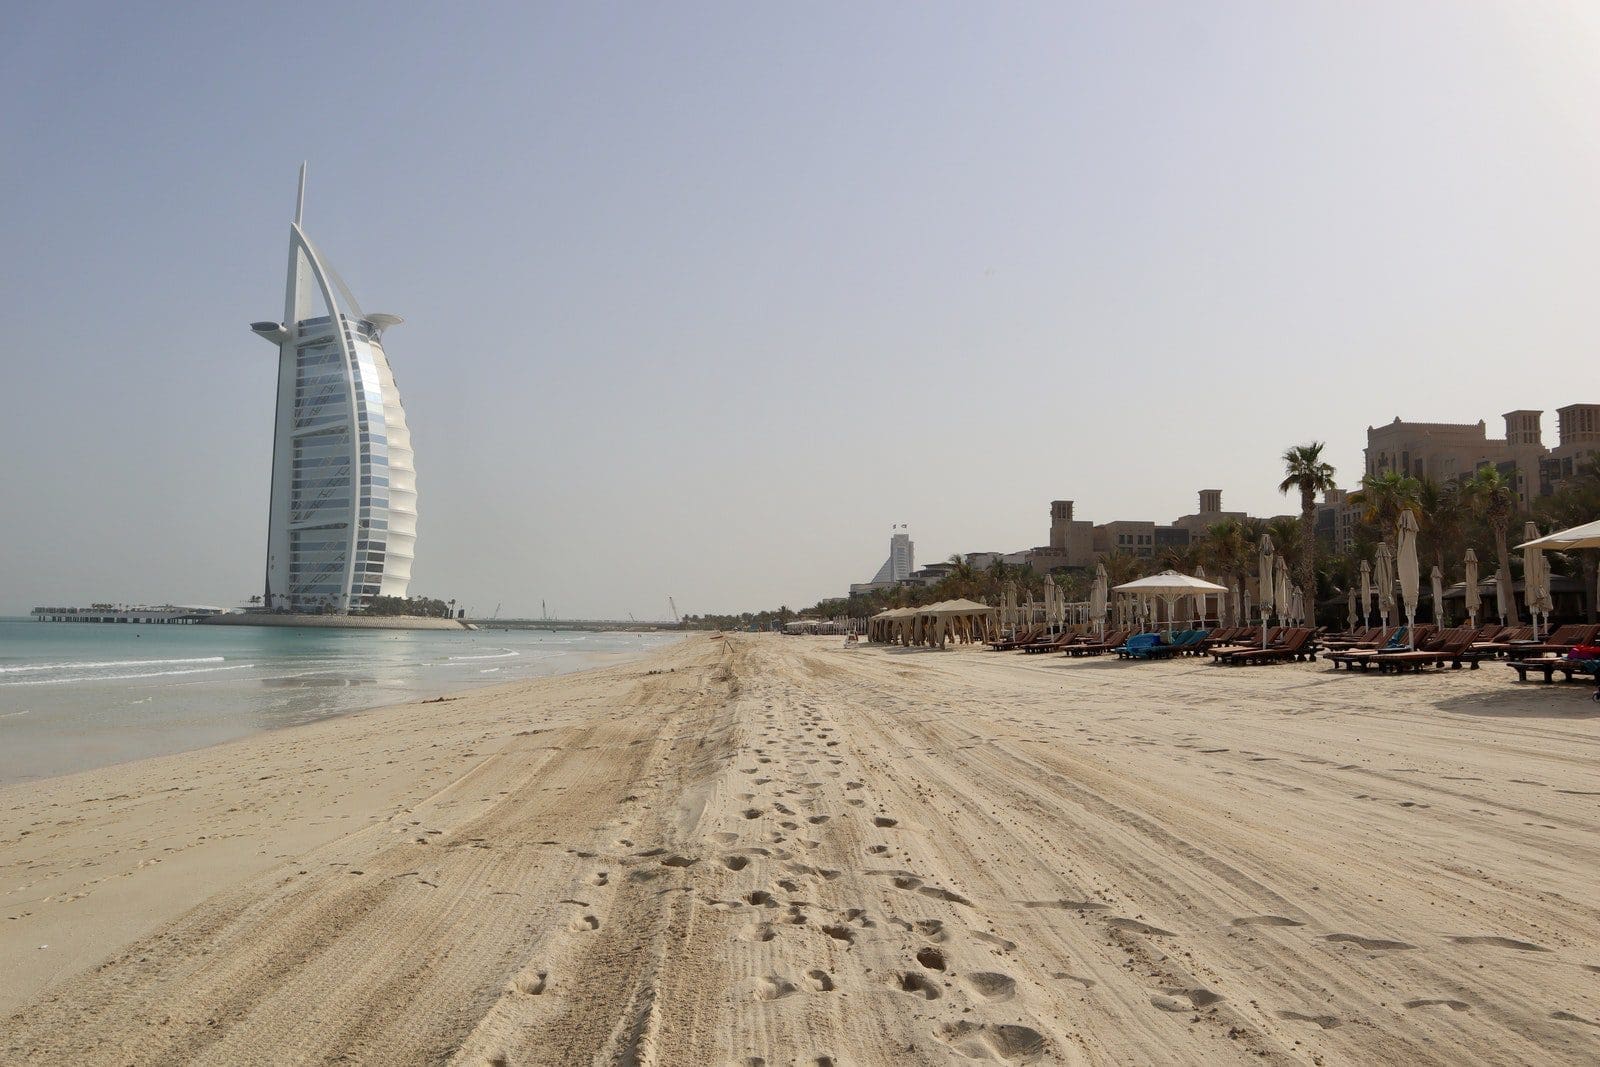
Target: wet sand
{"points": [[783, 851]]}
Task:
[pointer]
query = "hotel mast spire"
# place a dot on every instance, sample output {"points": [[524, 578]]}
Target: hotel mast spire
{"points": [[300, 200]]}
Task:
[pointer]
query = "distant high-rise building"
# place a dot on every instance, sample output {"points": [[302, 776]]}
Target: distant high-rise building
{"points": [[896, 569], [342, 522]]}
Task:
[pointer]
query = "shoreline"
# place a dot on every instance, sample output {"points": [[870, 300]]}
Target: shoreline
{"points": [[784, 849], [213, 860]]}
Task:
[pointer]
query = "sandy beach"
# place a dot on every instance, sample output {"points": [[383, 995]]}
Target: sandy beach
{"points": [[767, 850]]}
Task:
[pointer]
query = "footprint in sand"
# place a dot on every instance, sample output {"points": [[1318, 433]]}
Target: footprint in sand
{"points": [[981, 1041], [1453, 1005], [1265, 920], [918, 985], [1374, 944], [760, 898], [840, 932], [679, 861], [531, 983], [931, 958], [735, 863], [1184, 1000], [584, 924], [883, 822], [758, 932], [820, 980], [773, 987], [992, 985], [599, 878], [1501, 942], [1568, 1017], [1137, 927], [1327, 1022]]}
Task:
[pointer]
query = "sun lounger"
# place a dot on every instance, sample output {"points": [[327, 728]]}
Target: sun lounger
{"points": [[1454, 649], [1113, 639], [1250, 639], [1547, 666], [1016, 640], [1563, 640], [1364, 657], [1138, 646], [1296, 644]]}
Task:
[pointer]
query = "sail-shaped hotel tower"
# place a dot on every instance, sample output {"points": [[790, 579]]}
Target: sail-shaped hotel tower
{"points": [[343, 522]]}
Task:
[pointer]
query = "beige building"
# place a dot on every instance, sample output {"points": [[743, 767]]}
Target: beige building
{"points": [[1578, 435], [1209, 515], [1446, 451], [1337, 520]]}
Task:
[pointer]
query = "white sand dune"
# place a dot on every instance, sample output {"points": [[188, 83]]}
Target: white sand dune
{"points": [[782, 851]]}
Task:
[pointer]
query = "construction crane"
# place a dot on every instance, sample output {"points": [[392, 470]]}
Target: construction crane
{"points": [[673, 605], [496, 614]]}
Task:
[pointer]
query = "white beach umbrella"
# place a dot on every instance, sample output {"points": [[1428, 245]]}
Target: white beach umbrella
{"points": [[1170, 587], [1474, 598], [1385, 579], [1050, 600], [1283, 594], [1585, 536], [1351, 618], [1238, 603], [1097, 597], [1503, 596], [1366, 592], [1410, 572], [1535, 578], [1247, 607], [1200, 601], [1438, 596], [1265, 576]]}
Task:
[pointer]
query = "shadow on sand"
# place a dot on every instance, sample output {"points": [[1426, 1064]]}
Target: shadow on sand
{"points": [[1527, 700]]}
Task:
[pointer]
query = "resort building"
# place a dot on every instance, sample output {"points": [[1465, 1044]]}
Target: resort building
{"points": [[1446, 451], [343, 517], [1337, 519], [1577, 436]]}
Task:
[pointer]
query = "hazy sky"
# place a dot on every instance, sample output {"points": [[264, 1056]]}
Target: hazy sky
{"points": [[701, 299]]}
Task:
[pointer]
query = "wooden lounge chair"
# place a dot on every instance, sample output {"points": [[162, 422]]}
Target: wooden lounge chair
{"points": [[1113, 639], [1296, 644], [1507, 639], [1250, 639], [1563, 640], [1546, 666], [1027, 637], [1351, 658], [1051, 644], [1452, 647]]}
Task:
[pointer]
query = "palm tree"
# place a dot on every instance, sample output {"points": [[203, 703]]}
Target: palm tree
{"points": [[1383, 497], [1442, 520], [1305, 469], [1229, 549], [1489, 496]]}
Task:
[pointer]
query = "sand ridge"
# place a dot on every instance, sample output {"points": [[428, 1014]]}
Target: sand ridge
{"points": [[766, 850]]}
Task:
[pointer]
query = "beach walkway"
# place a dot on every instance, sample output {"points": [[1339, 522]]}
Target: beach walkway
{"points": [[767, 850]]}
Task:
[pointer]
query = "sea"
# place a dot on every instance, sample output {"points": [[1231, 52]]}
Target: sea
{"points": [[74, 696]]}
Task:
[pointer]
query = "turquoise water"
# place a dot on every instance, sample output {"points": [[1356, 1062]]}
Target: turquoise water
{"points": [[77, 695]]}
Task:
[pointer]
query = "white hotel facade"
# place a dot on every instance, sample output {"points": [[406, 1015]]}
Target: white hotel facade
{"points": [[342, 525]]}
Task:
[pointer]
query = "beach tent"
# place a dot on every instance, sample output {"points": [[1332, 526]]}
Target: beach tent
{"points": [[964, 620], [1169, 586], [1410, 572], [1474, 597], [1385, 579], [1438, 596], [1264, 577]]}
